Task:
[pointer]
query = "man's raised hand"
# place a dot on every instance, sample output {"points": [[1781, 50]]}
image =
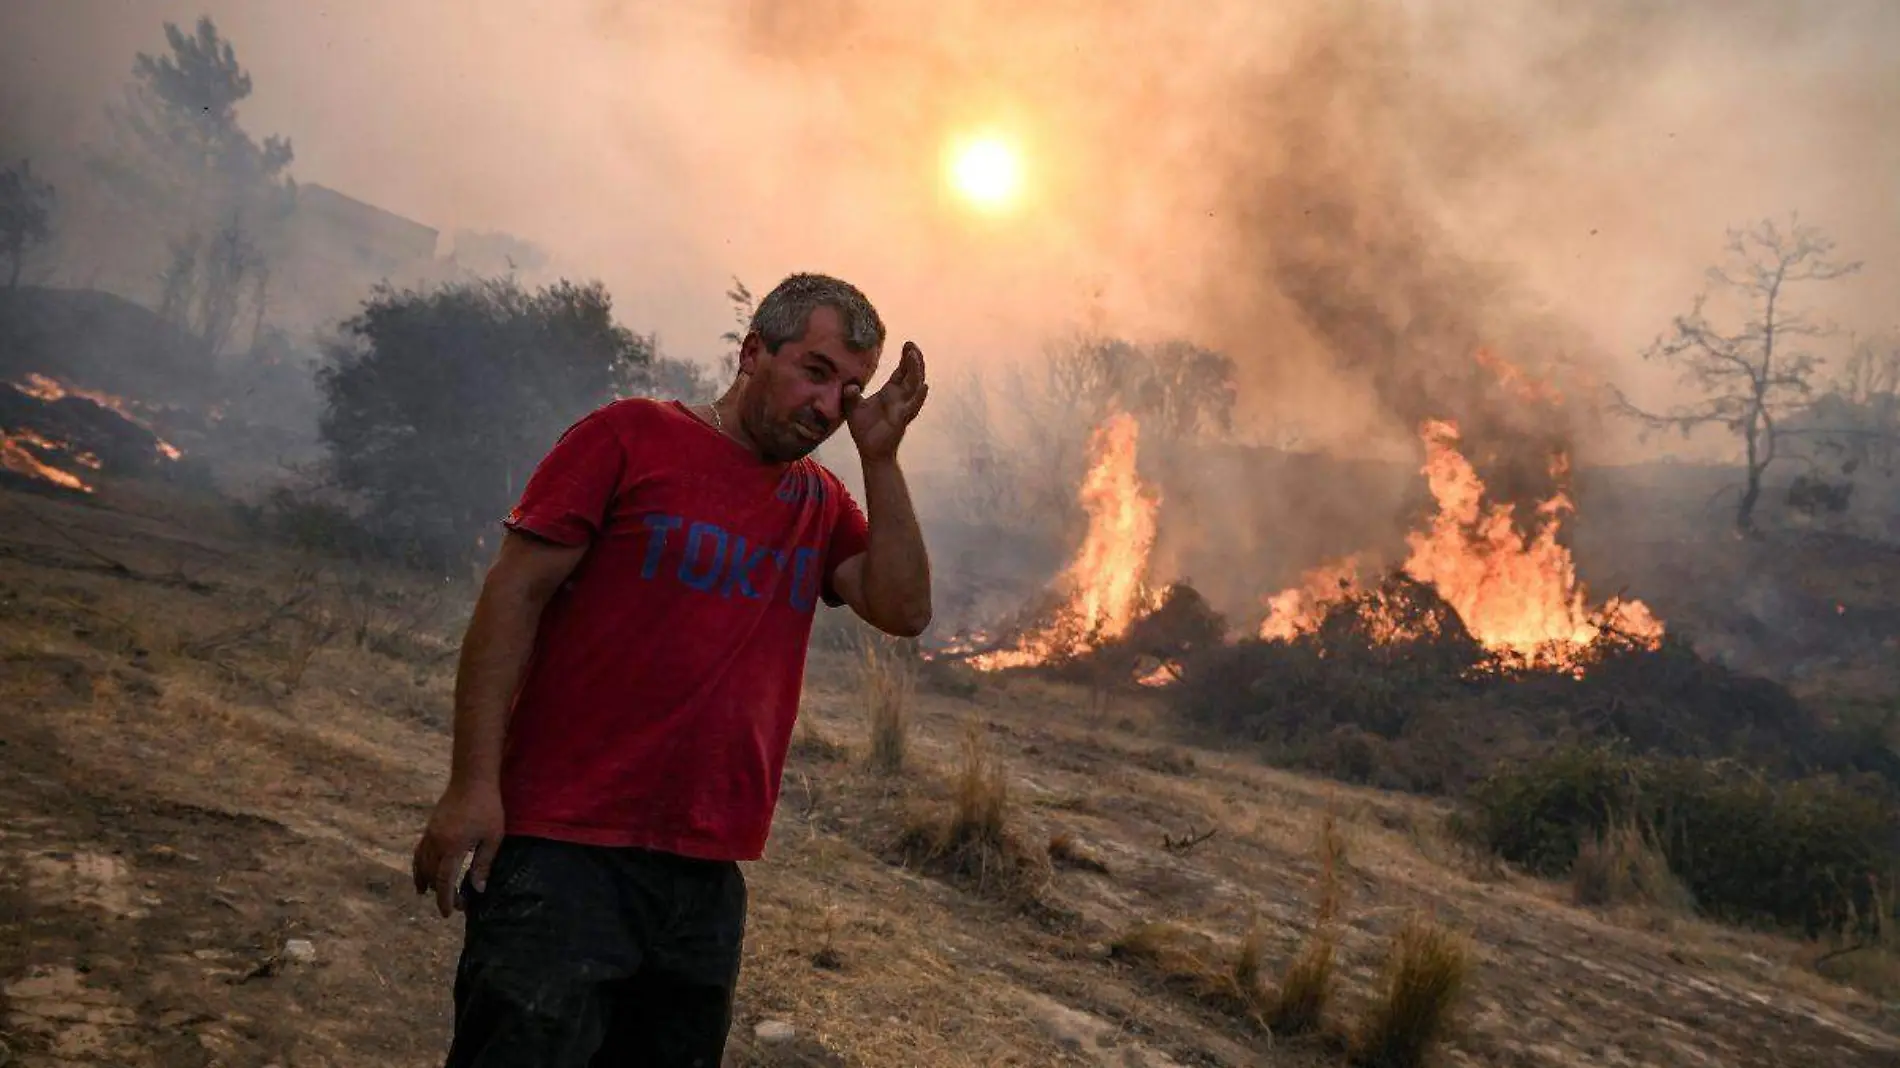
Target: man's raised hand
{"points": [[878, 422]]}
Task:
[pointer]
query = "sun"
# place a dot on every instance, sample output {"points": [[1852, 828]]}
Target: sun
{"points": [[986, 172]]}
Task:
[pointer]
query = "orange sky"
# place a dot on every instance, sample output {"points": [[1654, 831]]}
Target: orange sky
{"points": [[664, 147]]}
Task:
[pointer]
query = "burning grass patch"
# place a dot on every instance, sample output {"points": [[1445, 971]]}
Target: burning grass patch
{"points": [[1425, 974], [972, 841], [1389, 689]]}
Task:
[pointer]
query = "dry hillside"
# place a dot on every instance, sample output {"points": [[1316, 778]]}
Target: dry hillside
{"points": [[217, 752]]}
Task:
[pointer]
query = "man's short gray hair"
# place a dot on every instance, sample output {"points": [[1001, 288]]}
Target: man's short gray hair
{"points": [[786, 311]]}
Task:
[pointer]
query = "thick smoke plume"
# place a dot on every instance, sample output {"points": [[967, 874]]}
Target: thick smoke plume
{"points": [[1352, 200]]}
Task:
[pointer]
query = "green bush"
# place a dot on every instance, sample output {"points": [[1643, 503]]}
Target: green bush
{"points": [[1802, 853]]}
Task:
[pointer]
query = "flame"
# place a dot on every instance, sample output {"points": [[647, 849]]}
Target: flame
{"points": [[1515, 593], [16, 455], [47, 389], [1104, 585], [1518, 595], [1514, 379], [1298, 610], [1163, 674]]}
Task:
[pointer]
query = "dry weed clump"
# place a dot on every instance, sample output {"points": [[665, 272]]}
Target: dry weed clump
{"points": [[1425, 973], [811, 743], [887, 683], [1306, 986], [1066, 852], [973, 840], [1182, 959], [1623, 866]]}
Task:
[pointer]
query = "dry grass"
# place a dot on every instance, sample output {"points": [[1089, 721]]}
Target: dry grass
{"points": [[1179, 957], [1066, 852], [811, 743], [981, 796], [1425, 973], [1248, 965], [1622, 866], [1865, 954], [973, 839], [1306, 986], [888, 684]]}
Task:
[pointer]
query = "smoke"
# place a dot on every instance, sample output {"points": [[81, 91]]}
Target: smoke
{"points": [[1351, 199]]}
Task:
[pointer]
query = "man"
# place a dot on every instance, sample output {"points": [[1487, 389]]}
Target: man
{"points": [[628, 685]]}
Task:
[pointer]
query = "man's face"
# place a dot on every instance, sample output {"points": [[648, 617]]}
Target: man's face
{"points": [[797, 397]]}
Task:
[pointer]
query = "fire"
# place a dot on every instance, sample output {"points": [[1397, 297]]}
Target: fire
{"points": [[47, 389], [1162, 674], [1514, 593], [1103, 587], [1518, 595], [1514, 379], [1297, 610], [16, 455]]}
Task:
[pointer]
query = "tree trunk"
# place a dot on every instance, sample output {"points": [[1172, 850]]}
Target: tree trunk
{"points": [[1745, 513]]}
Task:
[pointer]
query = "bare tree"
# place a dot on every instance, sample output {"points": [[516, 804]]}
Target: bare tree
{"points": [[1753, 376], [26, 215]]}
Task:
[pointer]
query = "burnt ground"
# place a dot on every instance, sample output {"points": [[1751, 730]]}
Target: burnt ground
{"points": [[212, 749]]}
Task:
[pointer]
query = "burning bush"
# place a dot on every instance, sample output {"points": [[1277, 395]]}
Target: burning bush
{"points": [[1343, 684], [1806, 852], [1390, 689]]}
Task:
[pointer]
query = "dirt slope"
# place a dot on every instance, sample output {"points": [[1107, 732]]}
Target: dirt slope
{"points": [[194, 778]]}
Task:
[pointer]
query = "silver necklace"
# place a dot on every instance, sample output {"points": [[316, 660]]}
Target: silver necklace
{"points": [[718, 423]]}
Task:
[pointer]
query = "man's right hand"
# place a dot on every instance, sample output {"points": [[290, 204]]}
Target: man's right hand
{"points": [[465, 818]]}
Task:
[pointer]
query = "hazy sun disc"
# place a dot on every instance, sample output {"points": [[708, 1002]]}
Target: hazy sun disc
{"points": [[986, 173]]}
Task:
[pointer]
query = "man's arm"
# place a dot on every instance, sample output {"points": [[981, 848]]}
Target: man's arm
{"points": [[888, 585], [526, 573]]}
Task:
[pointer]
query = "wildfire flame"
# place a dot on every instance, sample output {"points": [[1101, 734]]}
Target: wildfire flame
{"points": [[16, 455], [1518, 595], [1103, 586], [48, 389], [1298, 609]]}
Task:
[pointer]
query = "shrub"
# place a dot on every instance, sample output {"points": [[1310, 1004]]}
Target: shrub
{"points": [[1537, 815], [1748, 848], [438, 404], [1425, 972]]}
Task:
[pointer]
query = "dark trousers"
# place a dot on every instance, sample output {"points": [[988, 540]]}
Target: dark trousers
{"points": [[596, 957]]}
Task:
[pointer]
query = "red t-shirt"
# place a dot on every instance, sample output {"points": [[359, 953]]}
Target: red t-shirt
{"points": [[659, 701]]}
